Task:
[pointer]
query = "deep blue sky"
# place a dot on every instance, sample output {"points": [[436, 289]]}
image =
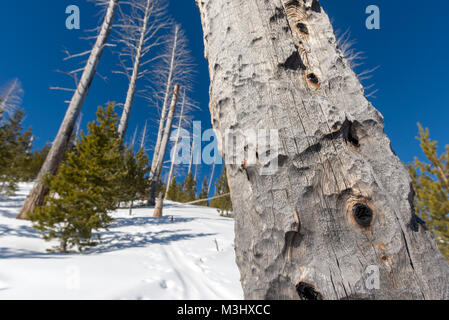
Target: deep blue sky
{"points": [[412, 50]]}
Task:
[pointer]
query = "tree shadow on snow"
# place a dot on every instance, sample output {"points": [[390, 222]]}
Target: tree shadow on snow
{"points": [[114, 241], [13, 205], [19, 231], [23, 232], [142, 221], [111, 240], [8, 253]]}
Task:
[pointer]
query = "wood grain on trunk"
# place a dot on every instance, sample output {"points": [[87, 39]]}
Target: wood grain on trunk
{"points": [[340, 205]]}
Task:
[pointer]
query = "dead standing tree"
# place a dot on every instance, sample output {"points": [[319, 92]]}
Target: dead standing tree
{"points": [[139, 33], [176, 67], [339, 207], [59, 146], [175, 148], [184, 123], [155, 175]]}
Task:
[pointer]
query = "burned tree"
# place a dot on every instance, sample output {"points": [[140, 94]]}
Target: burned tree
{"points": [[59, 146], [338, 210]]}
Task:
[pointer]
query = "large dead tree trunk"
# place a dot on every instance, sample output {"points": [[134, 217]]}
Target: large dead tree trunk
{"points": [[55, 156], [155, 175], [339, 208]]}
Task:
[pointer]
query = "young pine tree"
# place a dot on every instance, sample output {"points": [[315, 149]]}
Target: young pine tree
{"points": [[175, 192], [135, 183], [189, 188], [85, 188], [34, 162], [431, 184], [223, 204], [204, 193], [15, 148]]}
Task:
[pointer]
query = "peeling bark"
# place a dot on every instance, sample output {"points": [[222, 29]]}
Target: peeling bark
{"points": [[340, 205]]}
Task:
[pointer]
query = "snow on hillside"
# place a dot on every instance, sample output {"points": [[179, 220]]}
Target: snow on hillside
{"points": [[188, 257]]}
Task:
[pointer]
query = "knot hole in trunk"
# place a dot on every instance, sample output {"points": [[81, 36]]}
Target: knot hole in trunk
{"points": [[307, 291]]}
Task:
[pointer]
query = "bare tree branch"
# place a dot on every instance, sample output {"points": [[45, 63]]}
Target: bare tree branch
{"points": [[138, 32], [176, 66]]}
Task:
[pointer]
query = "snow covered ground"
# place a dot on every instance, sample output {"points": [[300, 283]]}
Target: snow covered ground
{"points": [[191, 257]]}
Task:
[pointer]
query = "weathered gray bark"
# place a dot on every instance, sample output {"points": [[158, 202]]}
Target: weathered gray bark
{"points": [[155, 175], [159, 208], [340, 205], [55, 156]]}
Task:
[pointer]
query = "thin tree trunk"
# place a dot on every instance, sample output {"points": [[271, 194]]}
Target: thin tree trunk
{"points": [[131, 208], [143, 139], [191, 157], [155, 175], [208, 199], [168, 88], [337, 214], [172, 167], [196, 171], [211, 179], [59, 146], [123, 126]]}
